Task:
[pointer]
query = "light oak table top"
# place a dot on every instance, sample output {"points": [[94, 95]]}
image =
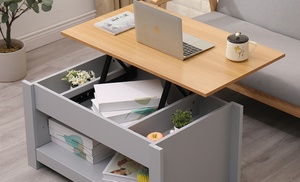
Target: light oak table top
{"points": [[203, 74]]}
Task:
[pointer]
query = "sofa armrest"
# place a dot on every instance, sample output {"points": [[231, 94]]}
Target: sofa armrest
{"points": [[213, 5]]}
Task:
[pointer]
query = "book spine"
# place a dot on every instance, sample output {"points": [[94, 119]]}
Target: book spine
{"points": [[128, 105]]}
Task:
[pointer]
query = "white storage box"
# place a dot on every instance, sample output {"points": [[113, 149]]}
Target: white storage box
{"points": [[128, 95]]}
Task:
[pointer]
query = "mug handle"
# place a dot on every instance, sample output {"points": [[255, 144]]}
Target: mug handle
{"points": [[255, 44]]}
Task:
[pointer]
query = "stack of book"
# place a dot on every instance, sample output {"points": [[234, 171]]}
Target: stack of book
{"points": [[121, 169], [77, 143], [118, 23], [127, 101]]}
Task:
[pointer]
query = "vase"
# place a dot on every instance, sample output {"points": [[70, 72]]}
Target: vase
{"points": [[13, 66], [175, 129]]}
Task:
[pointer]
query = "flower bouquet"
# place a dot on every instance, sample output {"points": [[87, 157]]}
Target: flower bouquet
{"points": [[79, 77]]}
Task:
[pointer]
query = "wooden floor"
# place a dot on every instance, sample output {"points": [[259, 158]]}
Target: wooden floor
{"points": [[271, 139]]}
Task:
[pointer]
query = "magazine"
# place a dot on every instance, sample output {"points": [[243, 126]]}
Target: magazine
{"points": [[121, 169], [117, 24]]}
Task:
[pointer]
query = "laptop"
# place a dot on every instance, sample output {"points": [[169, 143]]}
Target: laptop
{"points": [[163, 31]]}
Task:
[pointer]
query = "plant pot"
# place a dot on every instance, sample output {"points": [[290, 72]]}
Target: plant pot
{"points": [[175, 129], [13, 66]]}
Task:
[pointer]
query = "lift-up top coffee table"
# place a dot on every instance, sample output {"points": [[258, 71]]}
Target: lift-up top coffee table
{"points": [[208, 149]]}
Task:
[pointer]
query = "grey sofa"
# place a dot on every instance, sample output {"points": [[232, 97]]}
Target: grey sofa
{"points": [[274, 23]]}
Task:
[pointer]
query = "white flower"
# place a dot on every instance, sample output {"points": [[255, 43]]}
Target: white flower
{"points": [[79, 77]]}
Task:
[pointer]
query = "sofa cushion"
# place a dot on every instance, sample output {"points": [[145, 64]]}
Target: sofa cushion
{"points": [[280, 79], [277, 15]]}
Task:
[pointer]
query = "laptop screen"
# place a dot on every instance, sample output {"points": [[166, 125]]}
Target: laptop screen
{"points": [[158, 29]]}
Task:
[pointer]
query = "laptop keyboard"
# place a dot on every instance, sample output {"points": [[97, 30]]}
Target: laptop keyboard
{"points": [[189, 49]]}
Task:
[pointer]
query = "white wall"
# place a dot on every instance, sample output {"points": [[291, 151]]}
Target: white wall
{"points": [[189, 8], [39, 29]]}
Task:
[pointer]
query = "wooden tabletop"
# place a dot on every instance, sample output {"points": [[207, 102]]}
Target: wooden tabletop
{"points": [[204, 74]]}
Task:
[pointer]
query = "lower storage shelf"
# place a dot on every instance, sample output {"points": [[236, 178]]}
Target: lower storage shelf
{"points": [[70, 165]]}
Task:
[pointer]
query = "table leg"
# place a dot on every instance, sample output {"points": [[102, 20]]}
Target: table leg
{"points": [[105, 69], [182, 91], [164, 95]]}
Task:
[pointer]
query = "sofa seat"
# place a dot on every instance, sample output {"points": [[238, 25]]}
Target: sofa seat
{"points": [[280, 79]]}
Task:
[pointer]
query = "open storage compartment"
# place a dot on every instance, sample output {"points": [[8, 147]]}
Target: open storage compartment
{"points": [[54, 82], [211, 143], [161, 120]]}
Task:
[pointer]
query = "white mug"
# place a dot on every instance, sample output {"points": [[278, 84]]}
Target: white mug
{"points": [[237, 48]]}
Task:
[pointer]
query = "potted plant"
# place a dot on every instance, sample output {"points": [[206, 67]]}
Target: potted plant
{"points": [[181, 118], [13, 64]]}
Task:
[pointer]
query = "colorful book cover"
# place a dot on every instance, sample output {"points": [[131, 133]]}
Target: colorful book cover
{"points": [[82, 154], [75, 142], [121, 169], [117, 24], [71, 135]]}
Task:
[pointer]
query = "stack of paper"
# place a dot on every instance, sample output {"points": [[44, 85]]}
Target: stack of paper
{"points": [[77, 143], [127, 101]]}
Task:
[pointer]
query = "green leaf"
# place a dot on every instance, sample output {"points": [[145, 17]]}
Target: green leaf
{"points": [[4, 18], [73, 140], [79, 153], [46, 8], [47, 2], [143, 101], [35, 7], [7, 1], [13, 6], [30, 2], [144, 111]]}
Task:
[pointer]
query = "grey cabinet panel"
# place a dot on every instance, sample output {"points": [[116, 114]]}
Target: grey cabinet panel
{"points": [[208, 149], [205, 147]]}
